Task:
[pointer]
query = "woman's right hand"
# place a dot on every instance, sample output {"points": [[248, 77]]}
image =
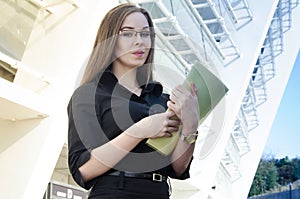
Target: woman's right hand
{"points": [[155, 126]]}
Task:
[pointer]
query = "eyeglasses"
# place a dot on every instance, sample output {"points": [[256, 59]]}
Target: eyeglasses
{"points": [[128, 34]]}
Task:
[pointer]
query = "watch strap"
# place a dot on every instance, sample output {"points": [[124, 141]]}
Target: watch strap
{"points": [[190, 139]]}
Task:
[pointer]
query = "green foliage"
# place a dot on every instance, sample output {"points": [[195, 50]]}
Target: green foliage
{"points": [[272, 173], [296, 168]]}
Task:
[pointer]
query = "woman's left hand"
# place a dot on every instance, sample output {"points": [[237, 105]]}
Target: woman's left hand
{"points": [[185, 105]]}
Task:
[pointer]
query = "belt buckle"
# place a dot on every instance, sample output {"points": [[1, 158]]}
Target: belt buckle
{"points": [[157, 177]]}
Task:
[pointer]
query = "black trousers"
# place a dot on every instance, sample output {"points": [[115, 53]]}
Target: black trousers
{"points": [[120, 187]]}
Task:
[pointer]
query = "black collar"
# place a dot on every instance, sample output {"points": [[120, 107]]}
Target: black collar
{"points": [[108, 80]]}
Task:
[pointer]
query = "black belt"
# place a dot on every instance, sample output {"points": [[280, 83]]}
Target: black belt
{"points": [[153, 176]]}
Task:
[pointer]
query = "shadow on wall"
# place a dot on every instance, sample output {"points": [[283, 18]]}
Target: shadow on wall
{"points": [[13, 131]]}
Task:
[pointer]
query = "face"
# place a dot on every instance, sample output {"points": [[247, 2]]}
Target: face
{"points": [[133, 42]]}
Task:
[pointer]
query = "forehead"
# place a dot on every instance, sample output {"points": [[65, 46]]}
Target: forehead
{"points": [[136, 20]]}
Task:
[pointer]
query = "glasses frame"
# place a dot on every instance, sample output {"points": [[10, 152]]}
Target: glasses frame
{"points": [[136, 33]]}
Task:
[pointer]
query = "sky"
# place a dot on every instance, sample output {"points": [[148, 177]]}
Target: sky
{"points": [[284, 138]]}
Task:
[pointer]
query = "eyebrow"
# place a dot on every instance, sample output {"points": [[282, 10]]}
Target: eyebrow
{"points": [[132, 28]]}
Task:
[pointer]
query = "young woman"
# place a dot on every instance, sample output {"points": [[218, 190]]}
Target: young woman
{"points": [[118, 107]]}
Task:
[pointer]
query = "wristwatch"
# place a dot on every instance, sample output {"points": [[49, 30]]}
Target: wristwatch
{"points": [[190, 139]]}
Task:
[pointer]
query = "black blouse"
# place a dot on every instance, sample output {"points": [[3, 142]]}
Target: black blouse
{"points": [[101, 110]]}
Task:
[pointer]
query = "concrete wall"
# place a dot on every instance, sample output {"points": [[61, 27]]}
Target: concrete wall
{"points": [[58, 47]]}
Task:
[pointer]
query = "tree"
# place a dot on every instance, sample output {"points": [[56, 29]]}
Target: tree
{"points": [[273, 172], [265, 177], [285, 170], [295, 163]]}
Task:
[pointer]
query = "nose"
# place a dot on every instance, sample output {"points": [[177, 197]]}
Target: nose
{"points": [[138, 39]]}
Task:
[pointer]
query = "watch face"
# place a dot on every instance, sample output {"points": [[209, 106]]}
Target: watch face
{"points": [[191, 138]]}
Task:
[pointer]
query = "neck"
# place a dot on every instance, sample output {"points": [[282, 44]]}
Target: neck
{"points": [[126, 76]]}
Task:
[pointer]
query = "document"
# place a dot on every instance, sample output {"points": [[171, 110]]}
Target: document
{"points": [[210, 90]]}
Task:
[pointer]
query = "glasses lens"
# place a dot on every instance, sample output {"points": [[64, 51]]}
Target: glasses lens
{"points": [[146, 34], [127, 33]]}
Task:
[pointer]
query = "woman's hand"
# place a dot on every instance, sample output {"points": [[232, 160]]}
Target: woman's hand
{"points": [[155, 126], [185, 105]]}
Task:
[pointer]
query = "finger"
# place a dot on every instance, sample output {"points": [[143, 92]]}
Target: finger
{"points": [[177, 91], [173, 107], [174, 122], [172, 129], [179, 94], [169, 113], [182, 90], [168, 134], [164, 133], [173, 98], [194, 89], [170, 105]]}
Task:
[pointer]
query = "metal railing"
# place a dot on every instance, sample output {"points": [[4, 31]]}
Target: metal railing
{"points": [[222, 182], [239, 11], [240, 135], [211, 21], [206, 37], [231, 166], [273, 44], [264, 70], [169, 30]]}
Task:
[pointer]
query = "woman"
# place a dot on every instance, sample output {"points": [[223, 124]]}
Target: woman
{"points": [[118, 106]]}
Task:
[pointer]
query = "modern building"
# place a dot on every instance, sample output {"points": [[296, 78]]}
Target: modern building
{"points": [[44, 45]]}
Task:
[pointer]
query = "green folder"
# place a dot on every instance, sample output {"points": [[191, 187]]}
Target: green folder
{"points": [[210, 91]]}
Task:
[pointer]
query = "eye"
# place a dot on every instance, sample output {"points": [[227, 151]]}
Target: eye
{"points": [[145, 34], [127, 33]]}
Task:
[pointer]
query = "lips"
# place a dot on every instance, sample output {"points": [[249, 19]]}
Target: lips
{"points": [[139, 53]]}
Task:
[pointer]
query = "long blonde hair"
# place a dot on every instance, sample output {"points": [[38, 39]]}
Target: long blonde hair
{"points": [[103, 49]]}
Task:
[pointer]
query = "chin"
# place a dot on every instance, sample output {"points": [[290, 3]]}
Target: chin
{"points": [[138, 63]]}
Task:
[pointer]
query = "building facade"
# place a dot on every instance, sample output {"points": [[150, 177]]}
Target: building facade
{"points": [[44, 46]]}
